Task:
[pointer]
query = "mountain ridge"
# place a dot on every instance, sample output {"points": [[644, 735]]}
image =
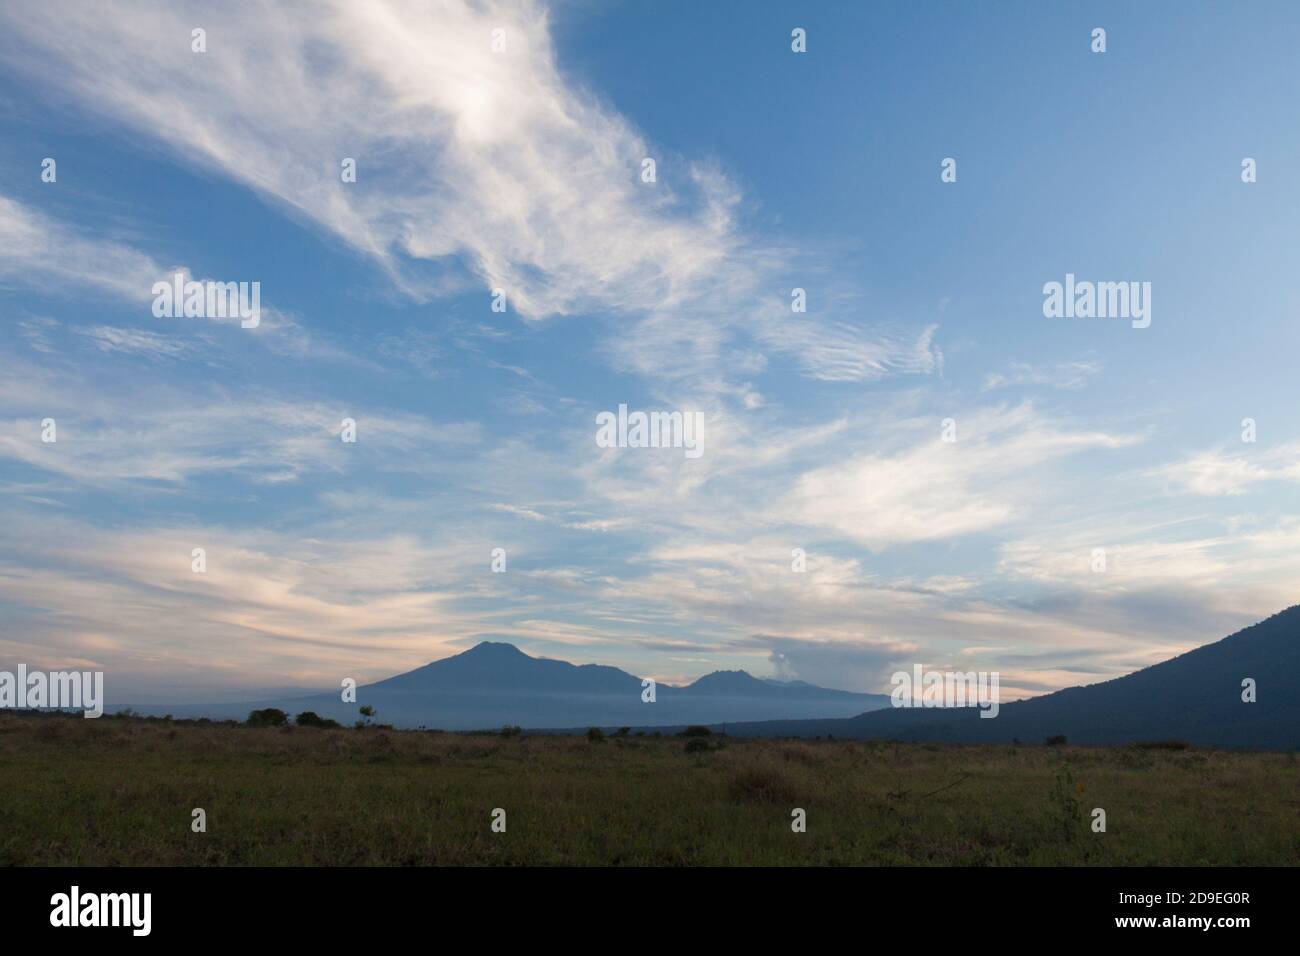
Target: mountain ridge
{"points": [[495, 683], [1193, 697]]}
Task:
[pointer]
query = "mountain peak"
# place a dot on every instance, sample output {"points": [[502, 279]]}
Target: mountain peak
{"points": [[721, 680], [496, 649]]}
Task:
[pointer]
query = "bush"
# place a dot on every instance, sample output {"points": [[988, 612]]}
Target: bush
{"points": [[512, 730], [696, 730], [697, 745], [268, 717], [595, 734], [1162, 745], [765, 784], [623, 731], [1057, 740], [309, 718]]}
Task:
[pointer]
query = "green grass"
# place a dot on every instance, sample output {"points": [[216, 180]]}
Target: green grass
{"points": [[120, 792]]}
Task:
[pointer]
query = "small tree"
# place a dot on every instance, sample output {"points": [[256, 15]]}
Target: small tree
{"points": [[268, 717], [367, 712], [309, 718]]}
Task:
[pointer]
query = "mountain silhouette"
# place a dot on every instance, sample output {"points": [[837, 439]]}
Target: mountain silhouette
{"points": [[491, 667], [495, 684], [1195, 697]]}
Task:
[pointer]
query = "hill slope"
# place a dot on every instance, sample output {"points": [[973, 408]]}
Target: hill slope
{"points": [[1195, 697]]}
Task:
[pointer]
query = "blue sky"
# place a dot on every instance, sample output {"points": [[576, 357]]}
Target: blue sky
{"points": [[520, 169]]}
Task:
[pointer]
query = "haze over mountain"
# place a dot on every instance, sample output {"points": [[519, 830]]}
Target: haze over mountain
{"points": [[495, 684], [1195, 697]]}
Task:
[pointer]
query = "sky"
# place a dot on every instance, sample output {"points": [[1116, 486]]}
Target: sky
{"points": [[502, 146]]}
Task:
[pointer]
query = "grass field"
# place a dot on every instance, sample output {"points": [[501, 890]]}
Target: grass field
{"points": [[120, 791]]}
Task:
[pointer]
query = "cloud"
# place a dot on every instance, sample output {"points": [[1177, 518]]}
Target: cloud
{"points": [[171, 435], [38, 251], [50, 256], [463, 152], [1217, 473], [847, 352], [277, 606], [1195, 554], [842, 664], [136, 341], [1065, 375], [475, 167], [928, 489]]}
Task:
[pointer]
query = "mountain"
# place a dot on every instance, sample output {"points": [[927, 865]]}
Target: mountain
{"points": [[1195, 697], [491, 667], [495, 684]]}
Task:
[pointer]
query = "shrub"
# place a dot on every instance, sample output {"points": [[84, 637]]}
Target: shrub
{"points": [[1162, 745], [697, 745], [309, 718], [512, 730], [268, 717], [1057, 740], [696, 730], [595, 734], [623, 731], [767, 784]]}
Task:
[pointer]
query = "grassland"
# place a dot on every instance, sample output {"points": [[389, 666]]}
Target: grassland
{"points": [[119, 791]]}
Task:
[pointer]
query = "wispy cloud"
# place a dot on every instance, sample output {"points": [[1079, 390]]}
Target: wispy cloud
{"points": [[1066, 375], [928, 489], [1223, 473], [173, 434], [489, 166], [135, 341], [37, 250], [464, 151]]}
